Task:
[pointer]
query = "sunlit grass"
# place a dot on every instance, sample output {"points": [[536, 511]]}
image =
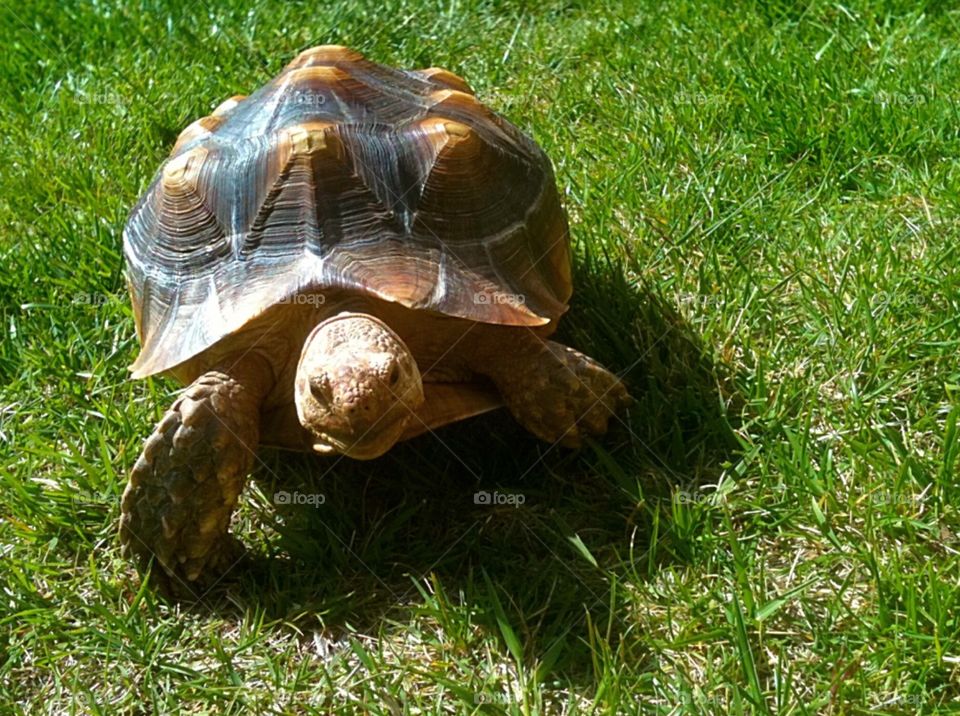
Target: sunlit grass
{"points": [[763, 201]]}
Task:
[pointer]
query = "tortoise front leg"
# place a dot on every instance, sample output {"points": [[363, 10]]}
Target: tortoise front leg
{"points": [[184, 487], [554, 391]]}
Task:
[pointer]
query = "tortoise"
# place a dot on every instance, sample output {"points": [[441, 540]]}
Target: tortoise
{"points": [[348, 257]]}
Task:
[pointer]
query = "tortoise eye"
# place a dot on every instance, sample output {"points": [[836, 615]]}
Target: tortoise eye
{"points": [[320, 387], [394, 375]]}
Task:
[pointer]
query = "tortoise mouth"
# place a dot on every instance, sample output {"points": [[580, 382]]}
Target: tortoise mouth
{"points": [[367, 446]]}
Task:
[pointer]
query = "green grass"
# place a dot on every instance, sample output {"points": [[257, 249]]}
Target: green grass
{"points": [[764, 209]]}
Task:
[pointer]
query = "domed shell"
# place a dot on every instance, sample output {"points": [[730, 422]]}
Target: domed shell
{"points": [[341, 173]]}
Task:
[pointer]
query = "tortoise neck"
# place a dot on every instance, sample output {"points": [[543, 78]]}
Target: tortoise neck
{"points": [[348, 304]]}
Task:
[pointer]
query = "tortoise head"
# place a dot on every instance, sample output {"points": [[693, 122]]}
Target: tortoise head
{"points": [[357, 386]]}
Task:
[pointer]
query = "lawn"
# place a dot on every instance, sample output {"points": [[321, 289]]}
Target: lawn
{"points": [[763, 200]]}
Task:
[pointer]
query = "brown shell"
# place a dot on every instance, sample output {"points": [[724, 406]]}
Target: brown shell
{"points": [[344, 174]]}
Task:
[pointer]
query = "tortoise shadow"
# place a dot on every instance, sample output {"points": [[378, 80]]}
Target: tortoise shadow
{"points": [[481, 505]]}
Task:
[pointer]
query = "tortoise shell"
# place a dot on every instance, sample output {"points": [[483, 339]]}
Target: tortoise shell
{"points": [[343, 174]]}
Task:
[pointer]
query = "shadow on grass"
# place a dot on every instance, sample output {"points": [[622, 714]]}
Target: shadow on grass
{"points": [[408, 528]]}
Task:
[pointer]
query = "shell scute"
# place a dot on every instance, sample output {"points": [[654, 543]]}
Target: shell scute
{"points": [[445, 78]]}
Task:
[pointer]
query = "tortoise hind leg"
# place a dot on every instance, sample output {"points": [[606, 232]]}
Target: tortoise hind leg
{"points": [[183, 489]]}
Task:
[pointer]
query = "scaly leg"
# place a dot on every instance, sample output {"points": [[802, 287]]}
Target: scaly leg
{"points": [[555, 392], [184, 487]]}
